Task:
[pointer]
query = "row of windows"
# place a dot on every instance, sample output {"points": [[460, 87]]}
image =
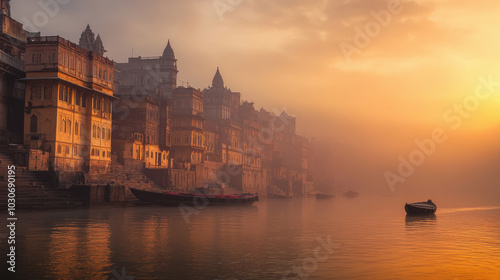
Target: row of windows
{"points": [[153, 154], [103, 74], [72, 62], [97, 152], [101, 133], [65, 150], [66, 124], [37, 89], [101, 105]]}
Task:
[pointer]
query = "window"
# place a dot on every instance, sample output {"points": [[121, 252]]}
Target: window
{"points": [[82, 128], [61, 93], [66, 150], [70, 96], [66, 94], [78, 98], [33, 124], [59, 149], [36, 58], [103, 133], [75, 151], [103, 153], [69, 126], [84, 101], [108, 136], [94, 134], [64, 125], [52, 58], [36, 92], [76, 128], [47, 92]]}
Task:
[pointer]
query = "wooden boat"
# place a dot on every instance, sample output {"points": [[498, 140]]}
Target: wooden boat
{"points": [[351, 194], [193, 199], [324, 195], [421, 208]]}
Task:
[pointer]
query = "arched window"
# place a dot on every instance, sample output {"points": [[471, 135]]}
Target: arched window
{"points": [[76, 128], [64, 124], [34, 124]]}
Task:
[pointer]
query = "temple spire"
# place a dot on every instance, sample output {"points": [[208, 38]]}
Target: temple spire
{"points": [[168, 52], [218, 82]]}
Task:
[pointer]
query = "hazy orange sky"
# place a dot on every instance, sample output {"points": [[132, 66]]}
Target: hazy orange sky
{"points": [[286, 54]]}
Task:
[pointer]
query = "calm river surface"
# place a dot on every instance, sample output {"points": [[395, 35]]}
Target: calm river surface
{"points": [[300, 238]]}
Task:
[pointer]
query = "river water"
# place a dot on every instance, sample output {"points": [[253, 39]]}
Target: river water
{"points": [[300, 238]]}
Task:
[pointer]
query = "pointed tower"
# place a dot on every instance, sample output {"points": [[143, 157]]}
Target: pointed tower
{"points": [[168, 68], [98, 46], [218, 82], [87, 39]]}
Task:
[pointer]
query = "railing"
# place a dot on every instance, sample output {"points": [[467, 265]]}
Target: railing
{"points": [[12, 61], [62, 41]]}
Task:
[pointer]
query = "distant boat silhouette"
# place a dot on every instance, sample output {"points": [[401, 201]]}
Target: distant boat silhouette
{"points": [[351, 194], [324, 195], [421, 208]]}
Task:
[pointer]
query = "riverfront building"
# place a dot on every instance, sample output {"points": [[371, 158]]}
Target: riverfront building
{"points": [[69, 92]]}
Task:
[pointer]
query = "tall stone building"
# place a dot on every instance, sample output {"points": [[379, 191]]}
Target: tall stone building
{"points": [[69, 92], [150, 74], [235, 127], [143, 115], [12, 48], [188, 136], [89, 42]]}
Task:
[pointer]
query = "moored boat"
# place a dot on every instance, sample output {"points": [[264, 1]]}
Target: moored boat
{"points": [[421, 208], [193, 199], [324, 195]]}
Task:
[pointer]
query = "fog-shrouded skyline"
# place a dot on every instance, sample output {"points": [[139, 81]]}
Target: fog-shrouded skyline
{"points": [[373, 76]]}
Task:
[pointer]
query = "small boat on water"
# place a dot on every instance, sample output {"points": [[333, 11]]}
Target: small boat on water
{"points": [[351, 194], [421, 208], [324, 195], [193, 199]]}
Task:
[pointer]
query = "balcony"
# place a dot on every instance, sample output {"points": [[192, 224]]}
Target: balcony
{"points": [[11, 61]]}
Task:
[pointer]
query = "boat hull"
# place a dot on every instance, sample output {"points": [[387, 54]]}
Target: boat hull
{"points": [[420, 209], [173, 199]]}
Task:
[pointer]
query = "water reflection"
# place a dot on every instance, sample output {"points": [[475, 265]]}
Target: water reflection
{"points": [[260, 242], [412, 221]]}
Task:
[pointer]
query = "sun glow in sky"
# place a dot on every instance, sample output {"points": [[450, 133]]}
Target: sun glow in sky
{"points": [[286, 54]]}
